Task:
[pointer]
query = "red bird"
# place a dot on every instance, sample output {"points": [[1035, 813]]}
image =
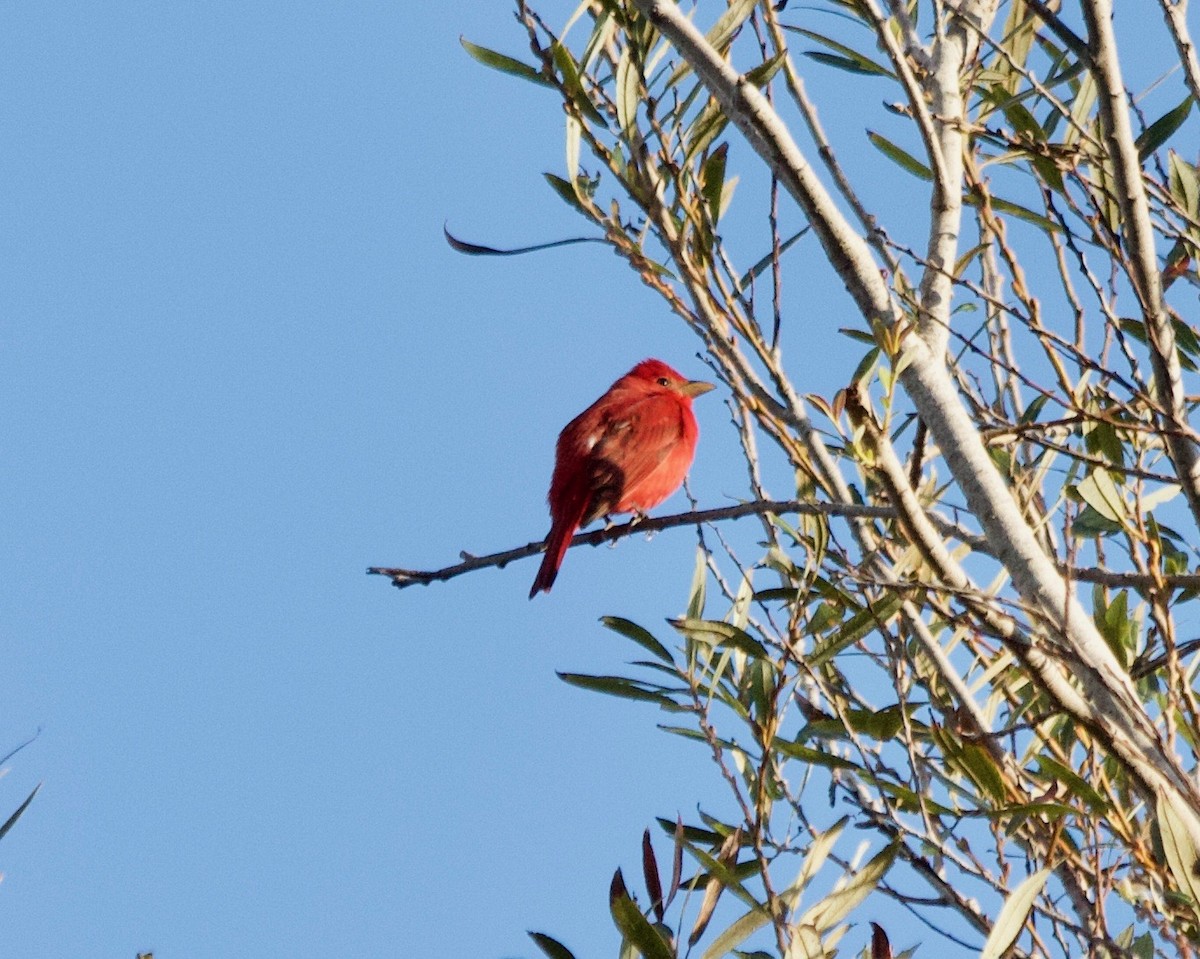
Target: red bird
{"points": [[625, 453]]}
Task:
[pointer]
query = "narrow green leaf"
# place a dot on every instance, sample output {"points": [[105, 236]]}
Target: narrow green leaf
{"points": [[901, 157], [1116, 625], [628, 91], [966, 260], [1103, 169], [1180, 850], [1015, 209], [712, 180], [862, 336], [1090, 523], [1162, 129], [573, 137], [723, 31], [622, 688], [762, 74], [765, 262], [814, 757], [1102, 439], [16, 749], [604, 28], [1049, 172], [1023, 121], [859, 625], [573, 83], [505, 64], [692, 834], [686, 732], [721, 634], [551, 947], [981, 767], [866, 365], [695, 607], [566, 191], [818, 852], [1100, 492], [12, 820], [566, 66], [719, 35], [847, 64], [1019, 32], [1076, 785], [1051, 810], [633, 926], [838, 904], [737, 933], [1034, 409], [1184, 184], [881, 724], [1081, 108], [676, 858], [908, 800], [1185, 338], [722, 862], [705, 129], [844, 57], [1012, 917], [639, 635], [474, 249], [1017, 114]]}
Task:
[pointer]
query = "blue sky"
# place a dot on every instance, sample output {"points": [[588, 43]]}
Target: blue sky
{"points": [[238, 365]]}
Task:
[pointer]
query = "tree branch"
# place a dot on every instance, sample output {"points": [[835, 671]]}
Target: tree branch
{"points": [[1138, 240], [402, 577], [1175, 13], [413, 577], [1109, 699]]}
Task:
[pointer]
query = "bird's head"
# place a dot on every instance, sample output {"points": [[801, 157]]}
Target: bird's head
{"points": [[657, 375]]}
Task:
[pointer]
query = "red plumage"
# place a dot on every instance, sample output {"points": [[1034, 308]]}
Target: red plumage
{"points": [[625, 453]]}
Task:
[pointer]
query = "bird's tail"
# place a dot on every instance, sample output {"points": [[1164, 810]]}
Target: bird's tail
{"points": [[556, 548], [565, 522]]}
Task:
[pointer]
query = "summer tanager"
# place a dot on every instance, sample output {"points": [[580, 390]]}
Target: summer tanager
{"points": [[625, 453]]}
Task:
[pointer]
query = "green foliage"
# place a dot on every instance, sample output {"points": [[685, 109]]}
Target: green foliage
{"points": [[891, 670], [18, 812]]}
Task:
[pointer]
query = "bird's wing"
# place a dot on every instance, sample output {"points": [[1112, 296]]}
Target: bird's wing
{"points": [[630, 446]]}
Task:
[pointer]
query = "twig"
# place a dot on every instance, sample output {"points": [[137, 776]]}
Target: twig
{"points": [[401, 577], [410, 577]]}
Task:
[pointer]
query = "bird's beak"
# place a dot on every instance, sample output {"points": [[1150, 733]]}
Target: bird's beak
{"points": [[695, 388]]}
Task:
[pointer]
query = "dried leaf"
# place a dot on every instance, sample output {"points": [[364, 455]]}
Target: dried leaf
{"points": [[881, 948], [650, 874], [713, 889], [1012, 917], [677, 859]]}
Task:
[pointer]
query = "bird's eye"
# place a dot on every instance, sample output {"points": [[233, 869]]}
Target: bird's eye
{"points": [[663, 381]]}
